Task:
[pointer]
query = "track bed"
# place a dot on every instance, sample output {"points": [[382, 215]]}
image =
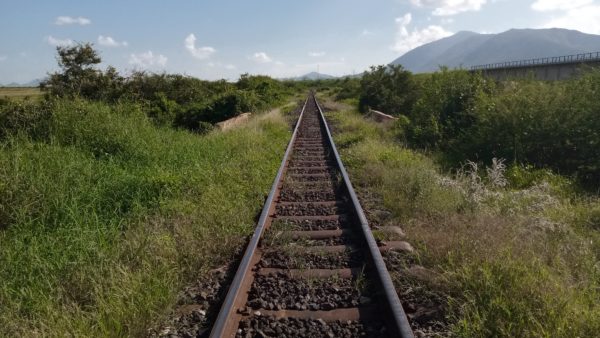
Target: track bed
{"points": [[312, 268]]}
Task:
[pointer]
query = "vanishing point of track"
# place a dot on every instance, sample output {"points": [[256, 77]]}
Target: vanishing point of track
{"points": [[312, 267]]}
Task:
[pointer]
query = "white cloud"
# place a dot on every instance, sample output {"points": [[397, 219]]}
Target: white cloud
{"points": [[3, 58], [554, 5], [450, 7], [585, 19], [261, 57], [406, 40], [197, 52], [68, 20], [108, 41], [316, 54], [147, 60], [59, 42], [366, 32]]}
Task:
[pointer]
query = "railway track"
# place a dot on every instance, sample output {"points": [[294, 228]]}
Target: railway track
{"points": [[312, 267]]}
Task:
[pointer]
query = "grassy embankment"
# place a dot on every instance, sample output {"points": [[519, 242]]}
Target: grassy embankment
{"points": [[103, 215], [518, 260]]}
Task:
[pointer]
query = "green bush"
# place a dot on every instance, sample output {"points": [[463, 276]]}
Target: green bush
{"points": [[26, 118], [465, 116], [444, 112], [390, 89]]}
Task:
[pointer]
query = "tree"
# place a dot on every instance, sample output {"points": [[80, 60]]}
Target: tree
{"points": [[390, 89], [79, 77]]}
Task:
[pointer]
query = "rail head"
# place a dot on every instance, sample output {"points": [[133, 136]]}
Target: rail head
{"points": [[228, 307], [400, 321]]}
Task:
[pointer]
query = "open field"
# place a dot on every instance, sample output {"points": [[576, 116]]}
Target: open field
{"points": [[20, 93]]}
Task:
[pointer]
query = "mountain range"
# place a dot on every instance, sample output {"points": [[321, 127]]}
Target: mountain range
{"points": [[469, 48], [311, 76], [32, 83]]}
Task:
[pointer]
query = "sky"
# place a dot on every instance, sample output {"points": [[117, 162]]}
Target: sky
{"points": [[221, 39]]}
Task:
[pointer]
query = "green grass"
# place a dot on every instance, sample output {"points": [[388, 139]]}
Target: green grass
{"points": [[515, 261], [106, 216], [20, 93]]}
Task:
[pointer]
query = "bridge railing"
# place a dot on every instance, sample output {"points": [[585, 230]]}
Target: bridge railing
{"points": [[540, 61]]}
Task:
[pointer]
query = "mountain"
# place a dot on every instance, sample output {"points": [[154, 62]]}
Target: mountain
{"points": [[32, 83], [469, 49], [313, 76]]}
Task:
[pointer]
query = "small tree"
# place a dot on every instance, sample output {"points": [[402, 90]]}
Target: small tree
{"points": [[78, 75], [390, 89]]}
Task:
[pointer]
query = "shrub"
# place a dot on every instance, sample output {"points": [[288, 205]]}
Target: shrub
{"points": [[390, 89], [30, 119]]}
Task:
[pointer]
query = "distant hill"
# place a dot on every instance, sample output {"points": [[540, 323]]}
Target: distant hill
{"points": [[32, 83], [468, 48], [312, 76]]}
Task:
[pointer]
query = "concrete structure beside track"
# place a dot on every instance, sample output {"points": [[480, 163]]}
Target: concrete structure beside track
{"points": [[546, 69]]}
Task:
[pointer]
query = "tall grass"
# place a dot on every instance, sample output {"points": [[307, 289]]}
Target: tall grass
{"points": [[515, 260], [105, 216]]}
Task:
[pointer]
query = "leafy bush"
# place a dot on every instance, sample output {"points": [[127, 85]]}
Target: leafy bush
{"points": [[24, 117], [195, 117], [444, 110], [390, 89], [468, 117], [168, 99]]}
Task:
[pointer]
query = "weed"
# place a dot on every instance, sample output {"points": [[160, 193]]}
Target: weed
{"points": [[106, 216]]}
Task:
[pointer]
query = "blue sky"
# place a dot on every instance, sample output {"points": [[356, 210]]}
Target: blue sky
{"points": [[221, 39]]}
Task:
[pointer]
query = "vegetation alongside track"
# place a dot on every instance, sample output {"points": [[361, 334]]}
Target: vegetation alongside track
{"points": [[462, 116], [108, 207], [512, 252], [107, 215]]}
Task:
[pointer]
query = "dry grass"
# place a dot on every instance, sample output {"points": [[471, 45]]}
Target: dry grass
{"points": [[20, 93]]}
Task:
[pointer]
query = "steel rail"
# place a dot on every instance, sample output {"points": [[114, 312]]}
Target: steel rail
{"points": [[400, 321], [228, 304], [396, 319]]}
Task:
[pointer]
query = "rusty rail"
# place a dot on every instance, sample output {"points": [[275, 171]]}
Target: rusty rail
{"points": [[232, 310]]}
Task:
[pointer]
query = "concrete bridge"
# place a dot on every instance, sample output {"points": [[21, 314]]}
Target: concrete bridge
{"points": [[548, 69]]}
